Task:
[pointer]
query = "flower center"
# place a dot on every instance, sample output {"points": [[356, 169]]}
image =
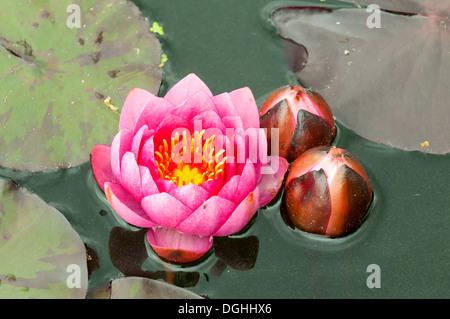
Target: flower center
{"points": [[189, 159]]}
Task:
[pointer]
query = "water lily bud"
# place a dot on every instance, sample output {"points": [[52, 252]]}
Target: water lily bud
{"points": [[327, 192], [303, 118]]}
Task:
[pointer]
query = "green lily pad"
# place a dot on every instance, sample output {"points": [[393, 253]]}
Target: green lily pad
{"points": [[145, 288], [62, 86], [377, 69], [41, 255]]}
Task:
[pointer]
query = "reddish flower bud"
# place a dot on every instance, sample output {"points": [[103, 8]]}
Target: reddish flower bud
{"points": [[303, 118], [327, 192]]}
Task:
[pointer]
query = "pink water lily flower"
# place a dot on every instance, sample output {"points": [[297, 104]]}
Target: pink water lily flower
{"points": [[188, 166]]}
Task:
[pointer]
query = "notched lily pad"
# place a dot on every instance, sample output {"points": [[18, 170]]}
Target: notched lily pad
{"points": [[385, 80], [41, 255], [62, 87]]}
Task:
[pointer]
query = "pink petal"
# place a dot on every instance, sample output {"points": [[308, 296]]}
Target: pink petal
{"points": [[207, 218], [131, 177], [230, 164], [147, 156], [244, 102], [224, 105], [154, 113], [186, 87], [270, 183], [212, 186], [167, 128], [139, 139], [230, 189], [178, 247], [195, 104], [101, 165], [190, 195], [165, 210], [237, 151], [247, 182], [148, 185], [232, 122], [256, 148], [134, 103], [209, 120], [120, 145], [126, 206], [164, 185], [241, 215]]}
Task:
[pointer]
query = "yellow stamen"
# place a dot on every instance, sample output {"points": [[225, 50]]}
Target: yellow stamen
{"points": [[218, 154], [206, 164], [161, 158]]}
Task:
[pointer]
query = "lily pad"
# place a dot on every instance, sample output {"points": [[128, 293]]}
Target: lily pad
{"points": [[385, 81], [41, 255], [145, 288], [66, 67], [434, 7]]}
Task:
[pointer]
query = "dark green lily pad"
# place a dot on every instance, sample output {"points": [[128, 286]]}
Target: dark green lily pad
{"points": [[383, 79], [62, 88], [145, 288], [41, 254]]}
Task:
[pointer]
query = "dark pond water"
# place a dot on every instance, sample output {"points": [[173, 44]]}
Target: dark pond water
{"points": [[231, 44]]}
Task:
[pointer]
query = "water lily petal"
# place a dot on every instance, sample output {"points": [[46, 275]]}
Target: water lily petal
{"points": [[101, 165], [245, 105], [167, 128], [241, 215], [120, 145], [226, 110], [270, 184], [186, 87], [256, 148], [177, 247], [165, 210], [148, 185], [207, 218], [165, 185], [232, 122], [190, 195], [139, 139], [224, 105], [154, 113], [230, 164], [240, 150], [134, 103], [126, 206], [131, 177], [195, 104], [147, 157], [230, 189], [209, 121], [212, 186], [247, 182]]}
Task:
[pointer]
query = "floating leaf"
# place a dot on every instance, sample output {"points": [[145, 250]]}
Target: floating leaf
{"points": [[389, 83], [144, 288], [62, 87], [41, 256], [434, 7]]}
